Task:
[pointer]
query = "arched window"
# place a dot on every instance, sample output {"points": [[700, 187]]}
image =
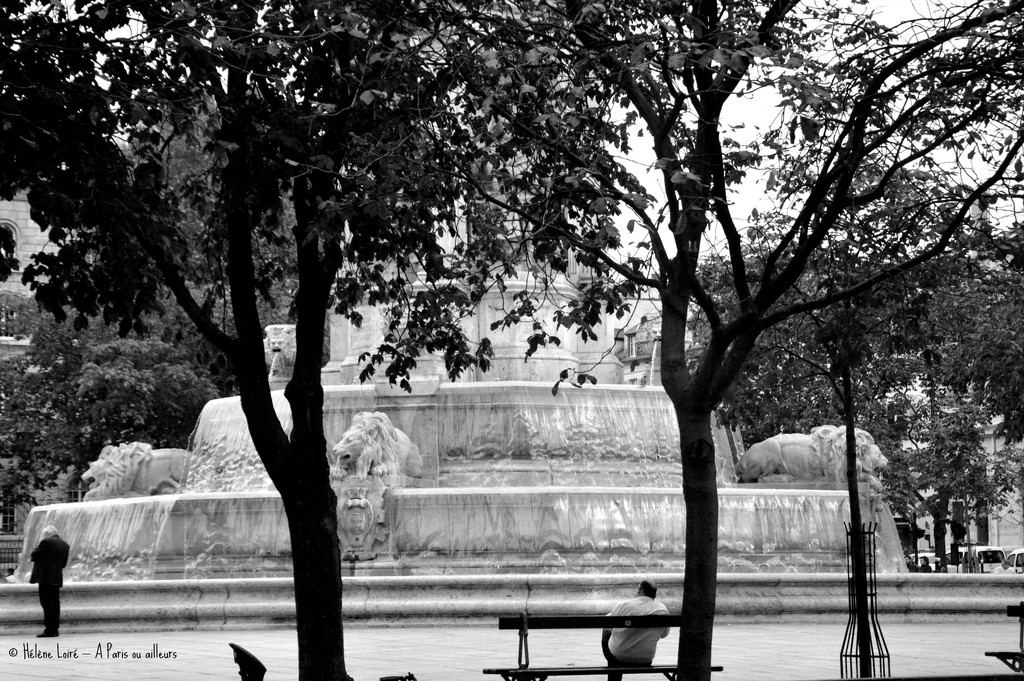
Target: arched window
{"points": [[9, 244]]}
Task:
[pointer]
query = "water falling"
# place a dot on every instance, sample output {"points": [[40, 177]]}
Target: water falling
{"points": [[514, 479]]}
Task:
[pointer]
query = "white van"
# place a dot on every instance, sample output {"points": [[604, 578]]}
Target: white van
{"points": [[985, 558]]}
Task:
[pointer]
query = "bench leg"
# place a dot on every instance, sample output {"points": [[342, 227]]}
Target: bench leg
{"points": [[1014, 661]]}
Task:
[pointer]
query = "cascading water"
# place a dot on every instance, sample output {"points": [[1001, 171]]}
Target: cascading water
{"points": [[514, 479]]}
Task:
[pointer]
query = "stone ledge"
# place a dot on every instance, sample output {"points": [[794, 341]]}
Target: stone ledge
{"points": [[258, 603]]}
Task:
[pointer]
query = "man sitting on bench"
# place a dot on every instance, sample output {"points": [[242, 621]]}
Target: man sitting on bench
{"points": [[634, 647]]}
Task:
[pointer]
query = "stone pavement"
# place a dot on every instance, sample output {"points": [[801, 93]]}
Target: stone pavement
{"points": [[459, 651]]}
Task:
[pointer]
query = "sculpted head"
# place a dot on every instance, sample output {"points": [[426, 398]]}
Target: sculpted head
{"points": [[369, 446], [112, 474], [99, 468], [869, 456]]}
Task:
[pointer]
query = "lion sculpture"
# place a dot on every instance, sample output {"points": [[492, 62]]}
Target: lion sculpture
{"points": [[372, 446], [133, 470], [818, 457], [279, 348]]}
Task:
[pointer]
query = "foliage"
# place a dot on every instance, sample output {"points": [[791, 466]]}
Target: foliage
{"points": [[18, 315], [931, 343], [76, 392], [887, 133], [141, 391], [38, 444], [983, 349], [313, 126]]}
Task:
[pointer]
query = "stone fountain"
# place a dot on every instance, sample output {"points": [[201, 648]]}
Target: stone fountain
{"points": [[492, 478]]}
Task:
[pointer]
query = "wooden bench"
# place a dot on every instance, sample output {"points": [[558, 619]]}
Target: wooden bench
{"points": [[1013, 660], [524, 622]]}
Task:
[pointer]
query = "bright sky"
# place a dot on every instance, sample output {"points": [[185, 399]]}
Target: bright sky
{"points": [[758, 112]]}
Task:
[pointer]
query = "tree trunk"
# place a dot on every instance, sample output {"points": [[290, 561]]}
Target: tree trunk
{"points": [[298, 466], [940, 521], [316, 557], [700, 582], [309, 500], [860, 578]]}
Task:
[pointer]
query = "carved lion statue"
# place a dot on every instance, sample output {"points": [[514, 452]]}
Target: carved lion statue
{"points": [[869, 457], [113, 473], [819, 456], [373, 446], [134, 469]]}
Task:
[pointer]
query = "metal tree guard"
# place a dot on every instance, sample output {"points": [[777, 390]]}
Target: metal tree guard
{"points": [[849, 657]]}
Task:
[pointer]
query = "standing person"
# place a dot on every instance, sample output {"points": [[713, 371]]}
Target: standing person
{"points": [[48, 561], [926, 566], [628, 647]]}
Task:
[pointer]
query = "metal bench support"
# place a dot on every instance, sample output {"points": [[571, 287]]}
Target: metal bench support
{"points": [[1013, 660]]}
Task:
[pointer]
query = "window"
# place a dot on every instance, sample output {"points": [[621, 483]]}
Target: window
{"points": [[631, 345], [9, 245], [76, 491], [8, 318], [8, 519]]}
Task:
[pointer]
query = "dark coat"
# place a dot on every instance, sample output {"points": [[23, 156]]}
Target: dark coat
{"points": [[48, 561]]}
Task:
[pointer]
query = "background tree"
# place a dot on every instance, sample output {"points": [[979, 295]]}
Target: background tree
{"points": [[961, 332], [927, 383], [309, 118], [76, 391], [18, 315]]}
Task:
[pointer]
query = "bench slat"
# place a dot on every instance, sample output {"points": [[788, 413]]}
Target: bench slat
{"points": [[583, 671], [588, 622]]}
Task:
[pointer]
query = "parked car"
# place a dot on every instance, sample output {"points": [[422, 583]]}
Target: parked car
{"points": [[984, 558], [1014, 561]]}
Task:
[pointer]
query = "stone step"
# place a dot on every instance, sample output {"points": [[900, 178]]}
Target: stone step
{"points": [[254, 603]]}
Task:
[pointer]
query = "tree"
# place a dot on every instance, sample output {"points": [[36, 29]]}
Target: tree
{"points": [[308, 116], [961, 333], [787, 383], [77, 391], [982, 354], [18, 314], [938, 365], [821, 359], [38, 447], [887, 133]]}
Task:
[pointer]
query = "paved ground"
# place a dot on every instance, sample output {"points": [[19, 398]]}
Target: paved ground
{"points": [[749, 652]]}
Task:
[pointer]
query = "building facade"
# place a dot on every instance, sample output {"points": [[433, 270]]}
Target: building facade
{"points": [[28, 238]]}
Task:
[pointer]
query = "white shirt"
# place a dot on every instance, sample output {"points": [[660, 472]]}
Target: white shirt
{"points": [[637, 645]]}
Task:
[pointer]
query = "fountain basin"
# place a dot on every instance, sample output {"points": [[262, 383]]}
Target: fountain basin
{"points": [[455, 531], [513, 479]]}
